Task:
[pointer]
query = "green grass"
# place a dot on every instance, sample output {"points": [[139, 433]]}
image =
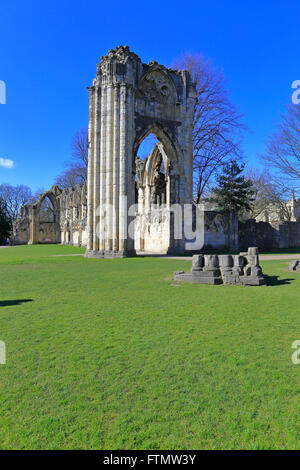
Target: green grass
{"points": [[111, 354], [36, 253]]}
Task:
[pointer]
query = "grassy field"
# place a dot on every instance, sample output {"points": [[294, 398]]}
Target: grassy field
{"points": [[111, 354]]}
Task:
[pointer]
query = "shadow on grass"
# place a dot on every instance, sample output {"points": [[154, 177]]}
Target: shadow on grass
{"points": [[7, 303], [274, 281]]}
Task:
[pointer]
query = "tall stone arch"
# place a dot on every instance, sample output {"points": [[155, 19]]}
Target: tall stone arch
{"points": [[34, 215], [127, 101]]}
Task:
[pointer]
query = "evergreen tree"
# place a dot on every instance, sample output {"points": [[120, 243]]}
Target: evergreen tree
{"points": [[5, 223], [233, 192]]}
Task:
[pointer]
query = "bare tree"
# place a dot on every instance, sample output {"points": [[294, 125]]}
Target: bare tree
{"points": [[36, 195], [217, 124], [15, 197], [269, 195], [76, 167], [283, 148], [5, 223]]}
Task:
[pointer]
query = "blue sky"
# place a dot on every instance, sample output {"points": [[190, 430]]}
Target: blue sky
{"points": [[49, 52]]}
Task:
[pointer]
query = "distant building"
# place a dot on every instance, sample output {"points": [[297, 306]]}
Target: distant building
{"points": [[286, 211]]}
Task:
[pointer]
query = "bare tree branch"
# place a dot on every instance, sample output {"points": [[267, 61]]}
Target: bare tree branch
{"points": [[76, 167], [283, 148], [217, 124], [269, 196], [15, 197]]}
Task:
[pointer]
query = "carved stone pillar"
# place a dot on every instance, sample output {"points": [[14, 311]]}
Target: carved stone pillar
{"points": [[116, 147], [90, 172], [96, 175], [102, 175], [34, 226]]}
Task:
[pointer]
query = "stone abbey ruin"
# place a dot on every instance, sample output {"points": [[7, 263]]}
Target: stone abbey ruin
{"points": [[127, 204], [127, 101], [65, 223]]}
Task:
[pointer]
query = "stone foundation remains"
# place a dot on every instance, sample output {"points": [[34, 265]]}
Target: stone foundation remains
{"points": [[294, 265], [242, 269]]}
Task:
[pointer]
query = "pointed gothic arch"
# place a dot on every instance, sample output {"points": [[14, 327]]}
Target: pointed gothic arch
{"points": [[36, 232]]}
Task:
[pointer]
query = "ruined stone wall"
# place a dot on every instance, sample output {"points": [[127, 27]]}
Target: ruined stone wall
{"points": [[261, 234], [48, 232], [67, 224], [220, 231], [21, 228], [152, 221], [73, 214], [152, 231], [289, 234], [267, 236]]}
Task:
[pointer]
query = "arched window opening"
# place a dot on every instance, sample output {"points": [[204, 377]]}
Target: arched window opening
{"points": [[159, 182], [47, 214], [151, 171], [143, 154], [152, 189], [46, 220], [147, 144]]}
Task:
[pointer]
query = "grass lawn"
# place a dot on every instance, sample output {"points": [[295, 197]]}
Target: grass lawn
{"points": [[110, 354]]}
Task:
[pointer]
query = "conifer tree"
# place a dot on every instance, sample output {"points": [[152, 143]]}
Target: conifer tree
{"points": [[233, 192], [5, 223]]}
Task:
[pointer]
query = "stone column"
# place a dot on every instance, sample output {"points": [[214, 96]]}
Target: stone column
{"points": [[123, 170], [102, 170], [109, 167], [34, 226], [96, 195], [129, 167], [90, 170], [116, 146], [176, 217]]}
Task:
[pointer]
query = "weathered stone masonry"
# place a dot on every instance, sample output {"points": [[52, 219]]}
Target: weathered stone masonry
{"points": [[67, 224], [128, 101]]}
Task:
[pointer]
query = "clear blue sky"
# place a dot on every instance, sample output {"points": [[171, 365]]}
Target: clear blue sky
{"points": [[49, 52]]}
